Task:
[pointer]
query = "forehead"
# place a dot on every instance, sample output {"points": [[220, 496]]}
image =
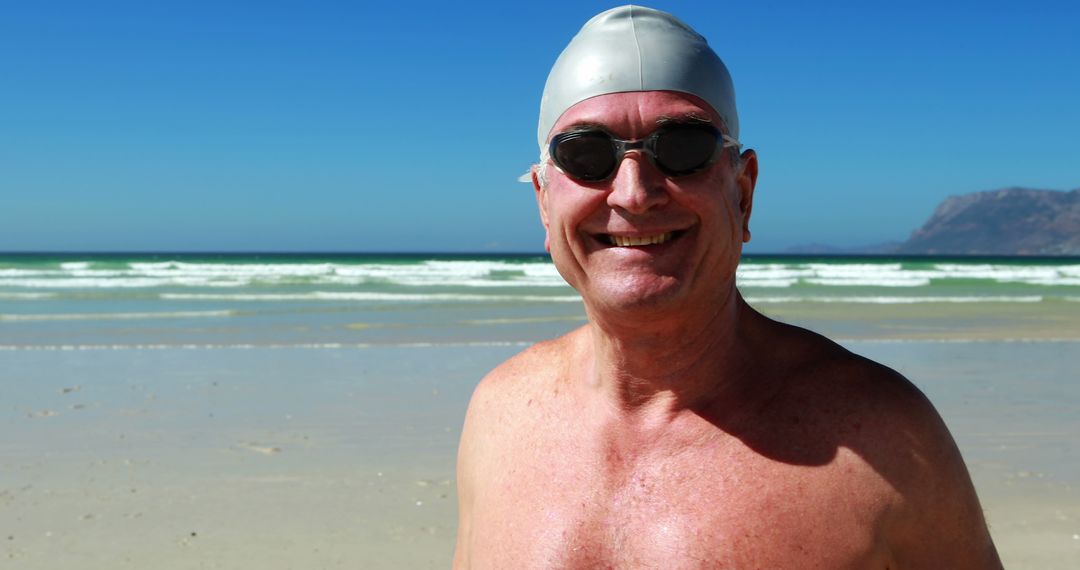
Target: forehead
{"points": [[635, 113]]}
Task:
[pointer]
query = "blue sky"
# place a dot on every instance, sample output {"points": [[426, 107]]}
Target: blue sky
{"points": [[329, 126]]}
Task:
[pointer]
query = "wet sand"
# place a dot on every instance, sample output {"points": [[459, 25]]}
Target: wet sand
{"points": [[949, 322], [344, 457], [232, 458]]}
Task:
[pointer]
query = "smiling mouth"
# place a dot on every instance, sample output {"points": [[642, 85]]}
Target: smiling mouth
{"points": [[633, 241]]}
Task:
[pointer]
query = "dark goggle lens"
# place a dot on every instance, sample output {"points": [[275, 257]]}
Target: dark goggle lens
{"points": [[593, 155], [587, 155], [685, 150]]}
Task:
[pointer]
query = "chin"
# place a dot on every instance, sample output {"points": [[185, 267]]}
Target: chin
{"points": [[647, 293]]}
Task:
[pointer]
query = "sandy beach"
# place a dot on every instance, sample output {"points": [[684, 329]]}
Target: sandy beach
{"points": [[305, 457], [233, 458]]}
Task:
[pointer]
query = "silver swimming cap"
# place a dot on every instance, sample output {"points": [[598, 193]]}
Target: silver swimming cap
{"points": [[631, 48]]}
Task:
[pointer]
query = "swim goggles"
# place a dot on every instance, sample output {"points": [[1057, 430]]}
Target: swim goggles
{"points": [[592, 155]]}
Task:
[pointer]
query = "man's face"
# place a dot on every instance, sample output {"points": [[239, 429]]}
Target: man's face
{"points": [[704, 215]]}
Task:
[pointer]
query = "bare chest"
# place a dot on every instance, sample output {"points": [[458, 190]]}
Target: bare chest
{"points": [[702, 508]]}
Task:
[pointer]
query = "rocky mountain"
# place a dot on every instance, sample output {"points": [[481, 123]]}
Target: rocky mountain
{"points": [[1012, 221]]}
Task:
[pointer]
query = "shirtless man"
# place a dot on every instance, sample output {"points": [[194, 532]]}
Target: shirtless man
{"points": [[680, 428]]}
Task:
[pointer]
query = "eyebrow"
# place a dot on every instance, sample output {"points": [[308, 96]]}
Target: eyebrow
{"points": [[684, 119], [584, 125], [693, 118]]}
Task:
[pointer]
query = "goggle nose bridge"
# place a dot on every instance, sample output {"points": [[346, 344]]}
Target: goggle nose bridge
{"points": [[622, 147]]}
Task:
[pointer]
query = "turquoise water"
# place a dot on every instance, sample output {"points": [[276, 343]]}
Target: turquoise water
{"points": [[170, 299]]}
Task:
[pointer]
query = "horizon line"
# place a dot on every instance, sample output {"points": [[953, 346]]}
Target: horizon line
{"points": [[416, 253]]}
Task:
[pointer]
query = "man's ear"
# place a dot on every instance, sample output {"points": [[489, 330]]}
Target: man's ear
{"points": [[746, 181], [541, 204]]}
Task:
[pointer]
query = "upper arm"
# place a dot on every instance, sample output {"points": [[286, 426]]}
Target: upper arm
{"points": [[494, 427], [940, 523], [465, 498], [467, 460], [485, 424]]}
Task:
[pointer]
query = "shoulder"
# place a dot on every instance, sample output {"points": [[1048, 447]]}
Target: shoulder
{"points": [[509, 397], [827, 398], [934, 518], [872, 407], [818, 369], [527, 373], [893, 415]]}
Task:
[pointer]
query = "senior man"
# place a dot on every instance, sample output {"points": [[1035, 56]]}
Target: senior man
{"points": [[680, 428]]}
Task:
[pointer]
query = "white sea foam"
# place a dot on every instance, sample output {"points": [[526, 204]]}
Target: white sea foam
{"points": [[870, 281], [832, 275], [464, 273], [117, 283], [854, 268], [15, 272], [896, 275], [500, 274], [773, 271], [171, 268], [1030, 274], [1053, 281], [454, 274], [776, 283]]}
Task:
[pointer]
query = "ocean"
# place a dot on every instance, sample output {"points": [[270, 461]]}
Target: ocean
{"points": [[144, 300]]}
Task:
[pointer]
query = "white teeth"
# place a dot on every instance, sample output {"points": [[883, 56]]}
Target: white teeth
{"points": [[626, 241]]}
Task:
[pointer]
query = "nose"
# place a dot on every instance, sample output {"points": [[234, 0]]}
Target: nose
{"points": [[638, 185]]}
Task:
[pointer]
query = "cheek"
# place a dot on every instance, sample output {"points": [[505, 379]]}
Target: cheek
{"points": [[727, 207], [567, 210], [563, 223], [569, 207]]}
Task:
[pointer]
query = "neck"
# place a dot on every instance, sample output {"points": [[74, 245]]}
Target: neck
{"points": [[669, 364]]}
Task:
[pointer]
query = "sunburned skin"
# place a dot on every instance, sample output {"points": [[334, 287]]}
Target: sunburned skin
{"points": [[831, 462], [680, 428]]}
